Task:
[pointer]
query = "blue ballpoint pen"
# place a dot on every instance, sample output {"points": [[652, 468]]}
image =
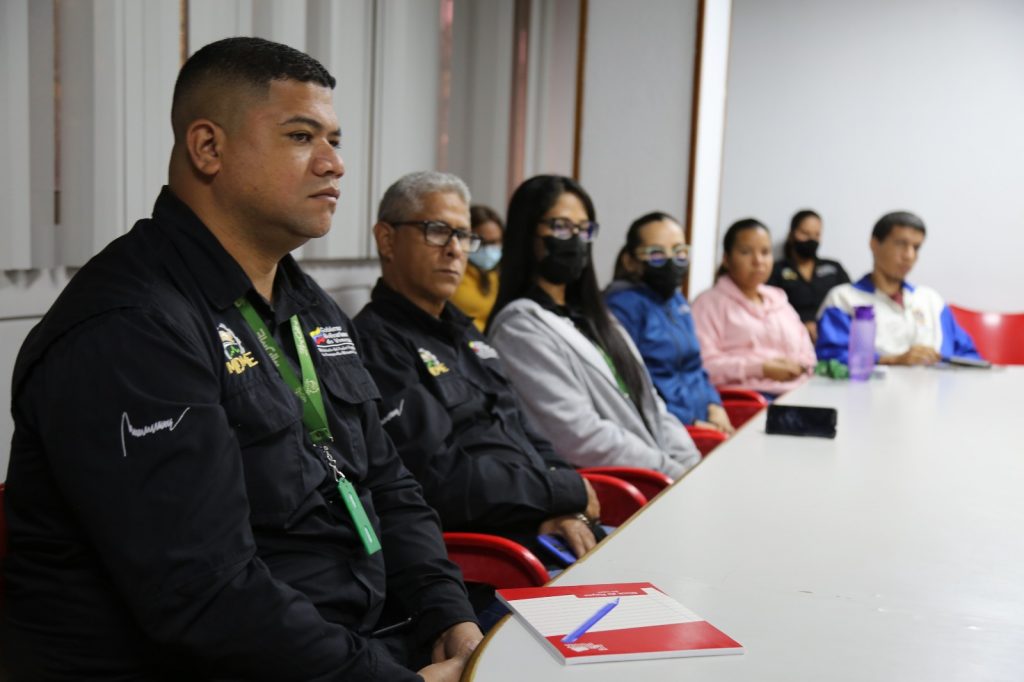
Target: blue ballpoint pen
{"points": [[590, 622]]}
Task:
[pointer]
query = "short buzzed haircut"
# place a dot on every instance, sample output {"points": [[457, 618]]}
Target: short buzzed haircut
{"points": [[211, 78], [895, 219], [405, 197]]}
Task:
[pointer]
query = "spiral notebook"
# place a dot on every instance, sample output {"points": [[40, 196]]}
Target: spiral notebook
{"points": [[643, 622]]}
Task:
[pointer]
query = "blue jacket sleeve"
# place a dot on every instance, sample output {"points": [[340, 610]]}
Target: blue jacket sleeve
{"points": [[711, 391], [955, 341], [686, 393], [833, 335], [681, 412]]}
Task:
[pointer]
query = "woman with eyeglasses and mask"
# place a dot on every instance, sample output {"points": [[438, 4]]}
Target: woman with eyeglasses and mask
{"points": [[750, 336], [575, 369], [646, 299], [479, 286], [804, 277]]}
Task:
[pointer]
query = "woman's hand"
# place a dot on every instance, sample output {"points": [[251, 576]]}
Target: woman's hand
{"points": [[718, 419], [781, 369]]}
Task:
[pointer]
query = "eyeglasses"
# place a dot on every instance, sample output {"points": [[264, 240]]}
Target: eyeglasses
{"points": [[440, 233], [657, 257], [563, 228]]}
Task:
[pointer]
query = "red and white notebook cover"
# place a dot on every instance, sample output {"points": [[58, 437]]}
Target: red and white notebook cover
{"points": [[646, 623]]}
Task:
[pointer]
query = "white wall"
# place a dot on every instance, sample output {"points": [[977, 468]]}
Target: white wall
{"points": [[481, 99], [551, 87], [481, 94], [859, 108], [636, 114]]}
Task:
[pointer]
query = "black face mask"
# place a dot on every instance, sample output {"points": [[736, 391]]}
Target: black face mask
{"points": [[665, 280], [565, 260], [807, 249]]}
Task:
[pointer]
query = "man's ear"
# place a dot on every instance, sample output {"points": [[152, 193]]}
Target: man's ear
{"points": [[204, 142], [384, 235]]}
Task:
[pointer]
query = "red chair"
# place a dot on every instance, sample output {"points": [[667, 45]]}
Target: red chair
{"points": [[619, 499], [999, 337], [742, 394], [706, 440], [647, 481], [741, 404], [495, 561]]}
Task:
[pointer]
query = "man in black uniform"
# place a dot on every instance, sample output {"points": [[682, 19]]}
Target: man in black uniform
{"points": [[446, 402], [180, 505]]}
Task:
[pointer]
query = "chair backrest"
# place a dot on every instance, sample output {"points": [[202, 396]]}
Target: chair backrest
{"points": [[741, 404], [706, 440], [648, 481], [741, 394], [495, 561], [999, 337], [619, 499]]}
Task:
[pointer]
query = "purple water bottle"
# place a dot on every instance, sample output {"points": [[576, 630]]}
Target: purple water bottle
{"points": [[862, 343]]}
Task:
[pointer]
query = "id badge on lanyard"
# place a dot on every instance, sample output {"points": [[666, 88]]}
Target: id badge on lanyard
{"points": [[314, 416]]}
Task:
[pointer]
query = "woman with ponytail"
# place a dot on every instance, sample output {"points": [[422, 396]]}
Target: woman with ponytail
{"points": [[577, 372], [646, 299], [750, 335]]}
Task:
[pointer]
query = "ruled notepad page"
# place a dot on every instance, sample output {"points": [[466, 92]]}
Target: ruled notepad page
{"points": [[562, 614]]}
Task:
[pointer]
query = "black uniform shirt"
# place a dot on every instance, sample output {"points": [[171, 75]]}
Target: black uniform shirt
{"points": [[806, 296], [458, 424], [168, 514]]}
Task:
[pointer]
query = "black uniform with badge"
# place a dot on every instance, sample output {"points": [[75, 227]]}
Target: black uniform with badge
{"points": [[806, 296], [458, 424], [169, 517]]}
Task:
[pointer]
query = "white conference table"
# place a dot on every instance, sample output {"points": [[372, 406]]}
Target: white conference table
{"points": [[894, 552]]}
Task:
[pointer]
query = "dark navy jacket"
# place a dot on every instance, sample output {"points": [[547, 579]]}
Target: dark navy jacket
{"points": [[457, 422], [664, 333], [168, 516], [806, 295]]}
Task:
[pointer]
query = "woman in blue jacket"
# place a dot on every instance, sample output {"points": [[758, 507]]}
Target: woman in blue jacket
{"points": [[646, 299]]}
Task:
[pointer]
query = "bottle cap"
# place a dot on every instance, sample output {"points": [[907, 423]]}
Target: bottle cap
{"points": [[863, 312]]}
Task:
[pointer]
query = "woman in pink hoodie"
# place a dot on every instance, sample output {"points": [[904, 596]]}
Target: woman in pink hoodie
{"points": [[750, 336]]}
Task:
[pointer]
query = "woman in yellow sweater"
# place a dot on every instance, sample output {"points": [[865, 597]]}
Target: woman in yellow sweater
{"points": [[479, 287]]}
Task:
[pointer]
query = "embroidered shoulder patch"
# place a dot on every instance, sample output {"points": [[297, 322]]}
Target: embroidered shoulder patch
{"points": [[332, 341], [483, 350], [238, 359], [434, 366]]}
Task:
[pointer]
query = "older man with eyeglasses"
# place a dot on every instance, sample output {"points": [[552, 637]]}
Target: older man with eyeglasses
{"points": [[446, 402]]}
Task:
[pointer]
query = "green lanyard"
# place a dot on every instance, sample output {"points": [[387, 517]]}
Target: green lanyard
{"points": [[314, 416], [623, 389]]}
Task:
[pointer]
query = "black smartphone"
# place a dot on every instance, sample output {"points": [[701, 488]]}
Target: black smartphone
{"points": [[797, 420], [967, 362]]}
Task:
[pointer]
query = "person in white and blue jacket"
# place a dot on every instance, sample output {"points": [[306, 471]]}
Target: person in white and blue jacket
{"points": [[646, 299], [914, 326]]}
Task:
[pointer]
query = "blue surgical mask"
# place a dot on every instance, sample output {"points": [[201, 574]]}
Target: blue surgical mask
{"points": [[486, 257]]}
